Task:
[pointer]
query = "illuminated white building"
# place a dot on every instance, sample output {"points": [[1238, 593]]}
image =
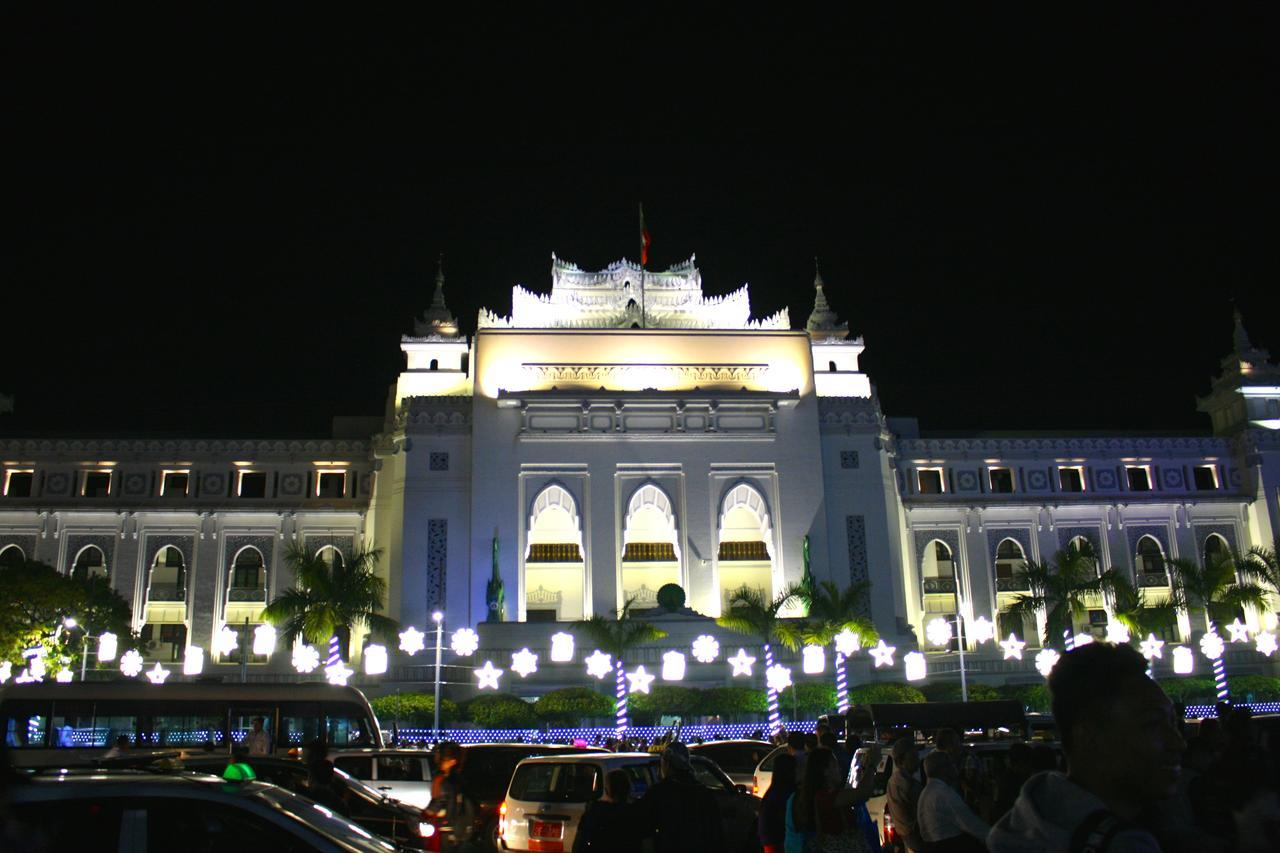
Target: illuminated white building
{"points": [[625, 431]]}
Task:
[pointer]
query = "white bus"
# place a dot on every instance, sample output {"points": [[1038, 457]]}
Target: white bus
{"points": [[48, 724]]}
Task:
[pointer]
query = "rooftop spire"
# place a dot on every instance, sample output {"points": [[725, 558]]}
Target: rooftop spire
{"points": [[1241, 337], [823, 322], [437, 320]]}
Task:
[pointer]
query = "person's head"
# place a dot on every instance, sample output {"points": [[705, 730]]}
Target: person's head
{"points": [[827, 740], [784, 773], [1020, 758], [617, 786], [675, 760], [1116, 725], [939, 765], [795, 742], [947, 740], [122, 741], [810, 742], [257, 724], [821, 729], [446, 756], [905, 756]]}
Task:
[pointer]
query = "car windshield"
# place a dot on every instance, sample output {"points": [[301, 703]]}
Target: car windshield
{"points": [[487, 770], [546, 782], [734, 757], [336, 827]]}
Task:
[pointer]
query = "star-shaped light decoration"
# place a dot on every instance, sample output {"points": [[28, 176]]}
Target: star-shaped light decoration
{"points": [[706, 648], [982, 630], [64, 676], [561, 647], [225, 641], [464, 642], [914, 666], [778, 677], [306, 658], [1239, 631], [599, 664], [1151, 647], [1184, 663], [848, 643], [814, 659], [1045, 661], [488, 676], [639, 681], [741, 663], [1266, 643], [883, 654], [524, 663], [375, 660], [193, 661], [412, 641], [938, 631], [1012, 647], [338, 672], [6, 671], [673, 666], [1117, 633], [158, 674], [1211, 645], [131, 663]]}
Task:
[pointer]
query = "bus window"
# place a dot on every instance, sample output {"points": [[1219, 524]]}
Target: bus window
{"points": [[242, 718], [71, 725], [299, 725], [25, 729], [347, 725], [199, 729], [107, 728]]}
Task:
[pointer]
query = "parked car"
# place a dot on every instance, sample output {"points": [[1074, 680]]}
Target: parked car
{"points": [[548, 796], [132, 810], [763, 775], [404, 774], [737, 758]]}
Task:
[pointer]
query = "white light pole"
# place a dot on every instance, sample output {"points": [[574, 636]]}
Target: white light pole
{"points": [[438, 617]]}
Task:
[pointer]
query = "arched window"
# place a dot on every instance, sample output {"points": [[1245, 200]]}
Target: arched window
{"points": [[746, 550], [1009, 559], [554, 572], [331, 557], [1215, 549], [435, 364], [650, 546], [831, 367], [1149, 562], [938, 579], [89, 563], [168, 576], [11, 556], [248, 580]]}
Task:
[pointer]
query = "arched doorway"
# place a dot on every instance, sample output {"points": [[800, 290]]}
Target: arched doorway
{"points": [[554, 568], [745, 550], [650, 546]]}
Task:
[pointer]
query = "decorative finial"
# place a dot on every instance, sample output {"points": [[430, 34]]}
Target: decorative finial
{"points": [[1241, 337], [817, 274], [437, 320], [823, 322]]}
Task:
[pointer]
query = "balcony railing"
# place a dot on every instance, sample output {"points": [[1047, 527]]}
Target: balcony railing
{"points": [[1012, 585], [242, 594], [167, 592], [933, 586], [1152, 579]]}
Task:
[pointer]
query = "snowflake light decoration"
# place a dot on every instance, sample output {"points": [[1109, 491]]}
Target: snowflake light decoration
{"points": [[225, 641], [1046, 659], [464, 642], [412, 641], [938, 631], [778, 677], [524, 663], [1117, 633], [1211, 645], [847, 642], [706, 649], [1266, 643], [982, 630], [599, 664], [131, 663], [306, 658]]}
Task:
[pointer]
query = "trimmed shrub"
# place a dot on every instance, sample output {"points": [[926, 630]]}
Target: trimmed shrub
{"points": [[1263, 688], [413, 709], [501, 710], [665, 700], [573, 704], [810, 698], [949, 691], [732, 702], [1034, 697], [1190, 690], [671, 596], [884, 692]]}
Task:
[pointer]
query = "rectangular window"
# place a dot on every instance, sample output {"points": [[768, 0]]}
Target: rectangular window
{"points": [[929, 481], [253, 484], [96, 484], [1139, 478], [1206, 478], [17, 484], [1071, 479], [331, 484], [555, 783], [1001, 480], [174, 484]]}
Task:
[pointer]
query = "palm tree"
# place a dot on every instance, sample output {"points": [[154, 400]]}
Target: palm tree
{"points": [[617, 637], [1221, 592], [831, 612], [750, 612], [1133, 608], [1058, 593], [1262, 564], [331, 600]]}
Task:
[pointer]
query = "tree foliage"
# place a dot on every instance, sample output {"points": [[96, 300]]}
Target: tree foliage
{"points": [[617, 637], [667, 700], [1190, 690], [1059, 591], [752, 614], [1034, 697], [732, 701], [1217, 587], [36, 600], [413, 709], [833, 610], [573, 704], [331, 601], [949, 691], [809, 698], [884, 692], [500, 710]]}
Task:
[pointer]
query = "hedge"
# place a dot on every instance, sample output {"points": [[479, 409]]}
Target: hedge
{"points": [[1190, 690], [501, 710], [573, 704], [1034, 697], [413, 708], [883, 692], [665, 701], [809, 698], [949, 691], [1263, 688], [732, 701]]}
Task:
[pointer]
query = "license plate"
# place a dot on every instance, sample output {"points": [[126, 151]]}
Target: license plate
{"points": [[546, 829]]}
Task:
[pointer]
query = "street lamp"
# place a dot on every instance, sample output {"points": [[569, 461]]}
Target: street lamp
{"points": [[438, 618]]}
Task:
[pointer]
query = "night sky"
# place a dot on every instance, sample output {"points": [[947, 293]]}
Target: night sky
{"points": [[221, 226]]}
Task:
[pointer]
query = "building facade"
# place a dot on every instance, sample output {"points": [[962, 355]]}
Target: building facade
{"points": [[625, 431]]}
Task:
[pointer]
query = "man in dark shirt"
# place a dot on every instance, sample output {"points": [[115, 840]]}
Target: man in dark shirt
{"points": [[680, 813]]}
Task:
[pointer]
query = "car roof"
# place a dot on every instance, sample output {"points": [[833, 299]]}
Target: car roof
{"points": [[401, 752], [733, 742], [607, 757]]}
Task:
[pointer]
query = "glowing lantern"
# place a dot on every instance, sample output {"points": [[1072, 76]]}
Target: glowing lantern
{"points": [[673, 664], [193, 661], [813, 659], [264, 639], [107, 647], [64, 676], [375, 660], [915, 666], [1183, 661], [561, 647]]}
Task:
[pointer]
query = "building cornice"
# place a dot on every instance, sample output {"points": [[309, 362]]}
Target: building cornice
{"points": [[1036, 447], [124, 448]]}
